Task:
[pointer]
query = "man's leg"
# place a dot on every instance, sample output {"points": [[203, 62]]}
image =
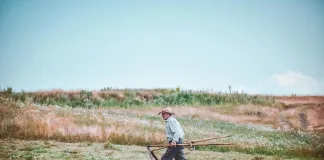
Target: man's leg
{"points": [[180, 155], [170, 153]]}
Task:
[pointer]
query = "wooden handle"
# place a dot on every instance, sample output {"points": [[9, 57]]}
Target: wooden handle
{"points": [[207, 139], [196, 144]]}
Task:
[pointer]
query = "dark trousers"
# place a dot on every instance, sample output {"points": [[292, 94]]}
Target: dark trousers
{"points": [[175, 152]]}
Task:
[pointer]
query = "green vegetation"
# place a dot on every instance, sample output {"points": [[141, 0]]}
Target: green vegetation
{"points": [[126, 98], [256, 139], [28, 152]]}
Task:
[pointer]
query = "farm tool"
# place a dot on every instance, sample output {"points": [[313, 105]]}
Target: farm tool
{"points": [[190, 144]]}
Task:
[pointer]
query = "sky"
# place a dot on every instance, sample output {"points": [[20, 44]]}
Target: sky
{"points": [[265, 47]]}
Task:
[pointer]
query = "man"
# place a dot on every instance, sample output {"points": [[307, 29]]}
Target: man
{"points": [[174, 134]]}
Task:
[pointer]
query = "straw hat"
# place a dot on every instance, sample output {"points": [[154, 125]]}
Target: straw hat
{"points": [[166, 110]]}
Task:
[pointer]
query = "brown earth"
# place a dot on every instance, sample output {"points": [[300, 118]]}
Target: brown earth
{"points": [[301, 99]]}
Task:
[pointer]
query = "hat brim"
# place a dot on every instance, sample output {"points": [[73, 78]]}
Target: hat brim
{"points": [[165, 112]]}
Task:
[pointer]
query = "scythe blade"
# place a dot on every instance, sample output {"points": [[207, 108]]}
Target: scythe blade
{"points": [[151, 154]]}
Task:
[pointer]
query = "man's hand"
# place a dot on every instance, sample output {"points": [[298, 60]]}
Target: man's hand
{"points": [[173, 144]]}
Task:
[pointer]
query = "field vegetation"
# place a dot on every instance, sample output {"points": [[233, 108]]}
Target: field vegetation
{"points": [[118, 124], [108, 97]]}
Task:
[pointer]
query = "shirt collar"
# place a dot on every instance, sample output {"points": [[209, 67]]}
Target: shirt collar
{"points": [[168, 119]]}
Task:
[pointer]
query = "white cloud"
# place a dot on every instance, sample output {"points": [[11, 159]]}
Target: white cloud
{"points": [[284, 83], [292, 78], [287, 83], [296, 82]]}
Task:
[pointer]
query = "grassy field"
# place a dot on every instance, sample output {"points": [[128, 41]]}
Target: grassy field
{"points": [[21, 149], [260, 127]]}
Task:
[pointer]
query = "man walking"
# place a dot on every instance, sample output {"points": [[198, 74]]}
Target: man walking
{"points": [[174, 134]]}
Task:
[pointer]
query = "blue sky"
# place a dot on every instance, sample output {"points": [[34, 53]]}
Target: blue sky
{"points": [[271, 47]]}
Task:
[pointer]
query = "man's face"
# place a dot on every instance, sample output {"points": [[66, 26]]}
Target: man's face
{"points": [[165, 115]]}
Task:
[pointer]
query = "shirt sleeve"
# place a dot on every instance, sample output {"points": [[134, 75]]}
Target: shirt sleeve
{"points": [[174, 128]]}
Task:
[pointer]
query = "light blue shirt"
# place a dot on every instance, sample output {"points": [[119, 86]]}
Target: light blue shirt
{"points": [[173, 130]]}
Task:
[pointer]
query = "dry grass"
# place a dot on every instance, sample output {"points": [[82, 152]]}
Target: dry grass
{"points": [[142, 127], [74, 125]]}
